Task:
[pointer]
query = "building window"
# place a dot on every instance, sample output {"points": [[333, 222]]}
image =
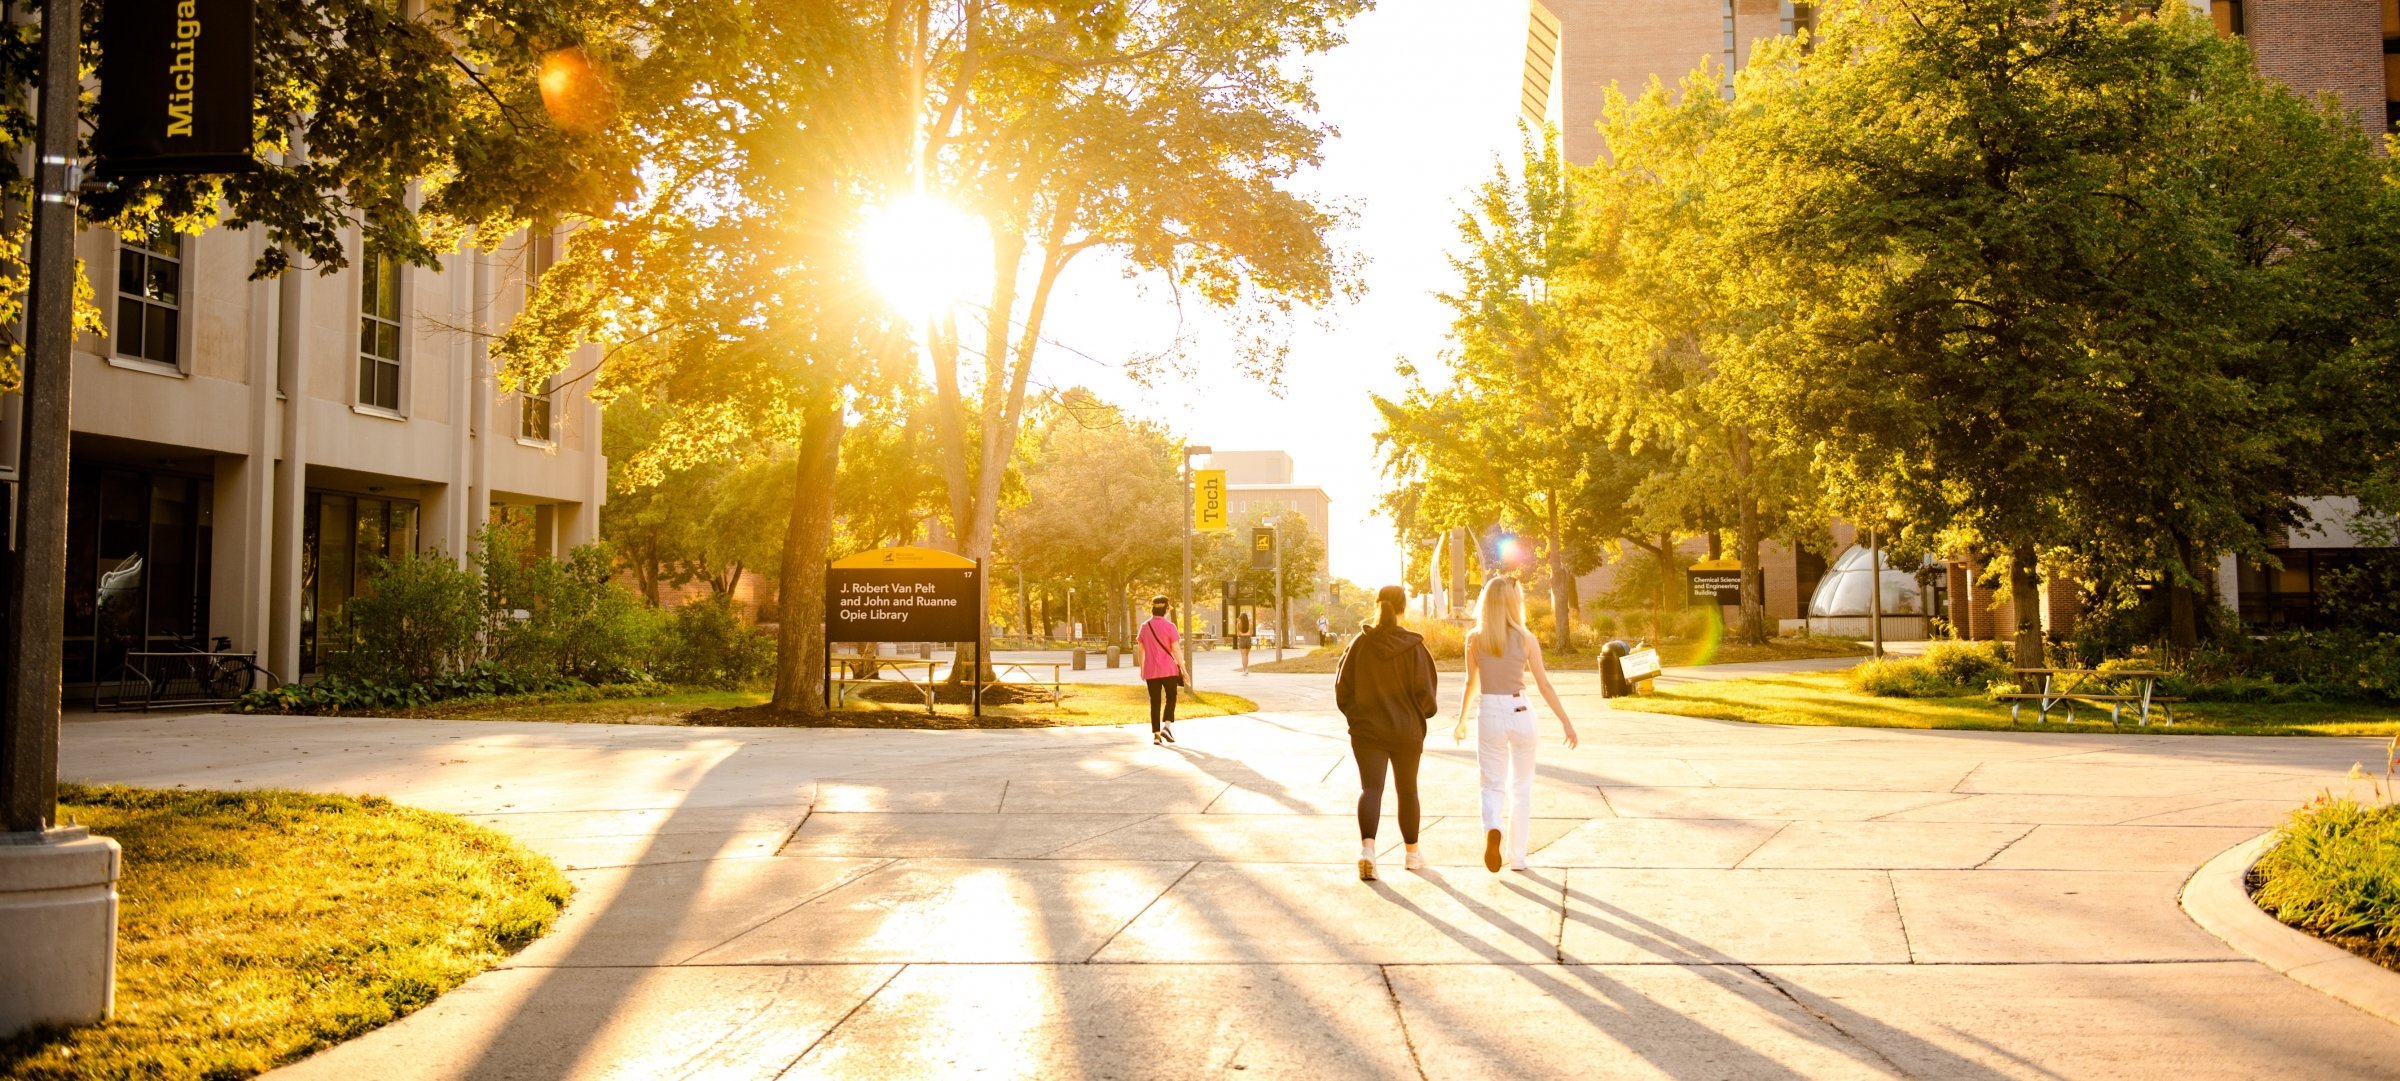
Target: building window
{"points": [[2227, 14], [139, 563], [150, 296], [535, 421], [342, 540], [379, 330]]}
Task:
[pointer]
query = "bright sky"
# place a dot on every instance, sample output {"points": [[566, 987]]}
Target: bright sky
{"points": [[1425, 94]]}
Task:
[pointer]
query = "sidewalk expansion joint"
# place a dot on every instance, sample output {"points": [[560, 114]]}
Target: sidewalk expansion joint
{"points": [[846, 1016], [1401, 1019], [1826, 1020], [1112, 935]]}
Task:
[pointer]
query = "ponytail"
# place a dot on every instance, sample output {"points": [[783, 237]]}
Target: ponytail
{"points": [[1390, 601]]}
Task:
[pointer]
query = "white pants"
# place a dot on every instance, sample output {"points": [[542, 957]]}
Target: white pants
{"points": [[1504, 750]]}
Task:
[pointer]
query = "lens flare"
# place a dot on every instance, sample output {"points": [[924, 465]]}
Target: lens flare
{"points": [[576, 92], [923, 254]]}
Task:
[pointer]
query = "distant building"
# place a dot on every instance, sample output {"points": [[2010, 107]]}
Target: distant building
{"points": [[1259, 483], [1575, 49]]}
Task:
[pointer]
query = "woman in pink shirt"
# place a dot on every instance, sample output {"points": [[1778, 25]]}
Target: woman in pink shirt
{"points": [[1157, 638]]}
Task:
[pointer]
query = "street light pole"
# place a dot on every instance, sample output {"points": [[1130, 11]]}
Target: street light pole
{"points": [[1188, 453], [37, 582], [1283, 621]]}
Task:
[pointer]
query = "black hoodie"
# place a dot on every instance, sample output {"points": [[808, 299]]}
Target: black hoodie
{"points": [[1385, 686]]}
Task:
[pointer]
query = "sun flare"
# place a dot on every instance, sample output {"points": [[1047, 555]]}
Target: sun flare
{"points": [[923, 254]]}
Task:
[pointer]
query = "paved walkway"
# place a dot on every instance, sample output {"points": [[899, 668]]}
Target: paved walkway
{"points": [[1708, 900]]}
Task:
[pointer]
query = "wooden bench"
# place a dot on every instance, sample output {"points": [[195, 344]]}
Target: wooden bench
{"points": [[2052, 695]]}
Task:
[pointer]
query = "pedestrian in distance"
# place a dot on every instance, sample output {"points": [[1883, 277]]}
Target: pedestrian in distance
{"points": [[1500, 651], [1241, 640], [1385, 687], [1162, 671]]}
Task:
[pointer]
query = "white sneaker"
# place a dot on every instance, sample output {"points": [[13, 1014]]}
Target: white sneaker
{"points": [[1416, 861], [1518, 865]]}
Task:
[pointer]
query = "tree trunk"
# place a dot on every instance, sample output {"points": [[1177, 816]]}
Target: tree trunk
{"points": [[1753, 628], [2183, 611], [2024, 591], [800, 632], [1562, 612], [1666, 569]]}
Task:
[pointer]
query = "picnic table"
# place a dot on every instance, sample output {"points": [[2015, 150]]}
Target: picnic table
{"points": [[1001, 669], [2113, 688], [866, 671]]}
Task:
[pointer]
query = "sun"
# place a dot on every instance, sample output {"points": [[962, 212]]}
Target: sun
{"points": [[923, 254]]}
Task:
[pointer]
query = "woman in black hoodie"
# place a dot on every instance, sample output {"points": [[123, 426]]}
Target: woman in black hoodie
{"points": [[1385, 687]]}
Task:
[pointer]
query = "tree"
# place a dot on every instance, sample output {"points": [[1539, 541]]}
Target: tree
{"points": [[1656, 307], [1502, 442], [713, 521], [1104, 504], [2060, 280], [1165, 133], [728, 289]]}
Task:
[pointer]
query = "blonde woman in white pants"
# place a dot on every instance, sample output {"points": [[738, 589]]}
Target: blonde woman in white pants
{"points": [[1500, 651]]}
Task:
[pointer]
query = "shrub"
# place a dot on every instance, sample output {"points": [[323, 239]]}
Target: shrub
{"points": [[706, 644], [1947, 670], [2365, 596], [416, 621], [1971, 665], [2335, 871], [575, 621], [1443, 638]]}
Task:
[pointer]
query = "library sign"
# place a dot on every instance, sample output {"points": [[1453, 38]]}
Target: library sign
{"points": [[903, 595]]}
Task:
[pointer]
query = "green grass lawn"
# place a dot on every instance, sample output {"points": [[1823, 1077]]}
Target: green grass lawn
{"points": [[256, 927], [2335, 873], [1086, 704], [1677, 653], [1825, 698]]}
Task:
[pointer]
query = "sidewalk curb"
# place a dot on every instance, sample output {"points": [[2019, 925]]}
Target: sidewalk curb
{"points": [[2217, 897]]}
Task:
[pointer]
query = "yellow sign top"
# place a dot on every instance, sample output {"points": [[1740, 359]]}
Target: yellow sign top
{"points": [[1208, 500], [904, 558], [1717, 565]]}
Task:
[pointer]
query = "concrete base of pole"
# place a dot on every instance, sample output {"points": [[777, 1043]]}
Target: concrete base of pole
{"points": [[58, 928]]}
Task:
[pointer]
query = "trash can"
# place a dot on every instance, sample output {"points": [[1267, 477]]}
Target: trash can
{"points": [[1612, 669], [1078, 665]]}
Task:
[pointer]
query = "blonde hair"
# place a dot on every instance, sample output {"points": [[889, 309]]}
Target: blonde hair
{"points": [[1500, 612]]}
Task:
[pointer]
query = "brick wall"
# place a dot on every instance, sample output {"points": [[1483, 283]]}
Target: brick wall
{"points": [[1626, 42], [2323, 46]]}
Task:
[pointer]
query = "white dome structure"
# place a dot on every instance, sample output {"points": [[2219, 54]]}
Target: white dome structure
{"points": [[1839, 606]]}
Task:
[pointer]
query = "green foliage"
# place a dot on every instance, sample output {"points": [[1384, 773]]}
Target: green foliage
{"points": [[2301, 666], [705, 644], [1946, 670], [561, 616], [2335, 872], [2365, 596], [418, 620], [1104, 507], [257, 927], [2114, 304], [337, 694]]}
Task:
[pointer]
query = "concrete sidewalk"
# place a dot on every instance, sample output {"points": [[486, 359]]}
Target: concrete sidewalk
{"points": [[1708, 900]]}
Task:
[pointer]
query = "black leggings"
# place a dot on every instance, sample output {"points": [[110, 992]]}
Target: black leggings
{"points": [[1166, 685], [1373, 759]]}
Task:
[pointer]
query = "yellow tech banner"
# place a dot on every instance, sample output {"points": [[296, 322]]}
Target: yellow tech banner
{"points": [[1208, 500]]}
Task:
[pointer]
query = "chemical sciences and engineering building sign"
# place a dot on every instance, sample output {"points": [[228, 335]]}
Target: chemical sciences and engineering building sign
{"points": [[903, 595]]}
